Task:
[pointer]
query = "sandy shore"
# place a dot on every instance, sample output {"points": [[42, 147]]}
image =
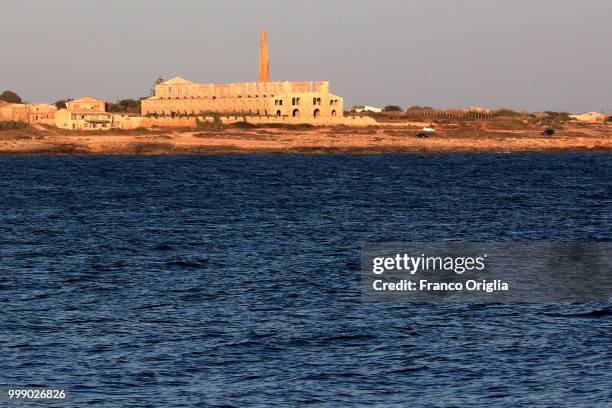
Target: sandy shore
{"points": [[385, 138]]}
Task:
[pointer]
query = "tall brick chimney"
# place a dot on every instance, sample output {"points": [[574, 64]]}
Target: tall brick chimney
{"points": [[264, 64]]}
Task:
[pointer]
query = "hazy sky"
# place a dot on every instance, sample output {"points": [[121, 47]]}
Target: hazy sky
{"points": [[523, 54]]}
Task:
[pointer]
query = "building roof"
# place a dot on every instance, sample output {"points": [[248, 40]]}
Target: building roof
{"points": [[85, 99], [42, 105], [177, 81]]}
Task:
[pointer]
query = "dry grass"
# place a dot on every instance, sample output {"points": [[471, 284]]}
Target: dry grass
{"points": [[385, 138]]}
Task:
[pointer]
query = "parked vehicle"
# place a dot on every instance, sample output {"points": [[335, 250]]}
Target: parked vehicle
{"points": [[548, 132]]}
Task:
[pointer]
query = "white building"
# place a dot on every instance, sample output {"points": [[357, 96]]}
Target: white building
{"points": [[365, 108]]}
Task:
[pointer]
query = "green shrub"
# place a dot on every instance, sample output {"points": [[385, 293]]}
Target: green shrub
{"points": [[506, 112], [10, 97], [392, 108]]}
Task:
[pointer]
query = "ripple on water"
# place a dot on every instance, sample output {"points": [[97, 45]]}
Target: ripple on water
{"points": [[233, 280]]}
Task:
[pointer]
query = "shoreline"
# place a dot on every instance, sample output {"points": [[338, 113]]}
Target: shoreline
{"points": [[299, 152], [385, 138]]}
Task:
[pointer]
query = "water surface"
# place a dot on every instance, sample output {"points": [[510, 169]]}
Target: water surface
{"points": [[233, 280]]}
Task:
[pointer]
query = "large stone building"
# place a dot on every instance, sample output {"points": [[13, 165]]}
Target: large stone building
{"points": [[28, 112], [309, 99], [14, 111]]}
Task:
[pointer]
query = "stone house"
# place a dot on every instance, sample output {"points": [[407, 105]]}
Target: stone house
{"points": [[85, 113]]}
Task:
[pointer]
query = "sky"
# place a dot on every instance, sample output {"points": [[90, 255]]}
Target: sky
{"points": [[521, 54]]}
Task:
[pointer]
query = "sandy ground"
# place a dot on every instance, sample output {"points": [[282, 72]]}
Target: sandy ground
{"points": [[385, 138]]}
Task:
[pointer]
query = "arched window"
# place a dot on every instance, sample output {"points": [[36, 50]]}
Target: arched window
{"points": [[296, 113], [316, 113]]}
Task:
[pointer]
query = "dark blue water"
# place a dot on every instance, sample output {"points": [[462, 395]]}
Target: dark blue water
{"points": [[233, 281]]}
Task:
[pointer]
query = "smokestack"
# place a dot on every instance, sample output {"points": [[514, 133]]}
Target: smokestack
{"points": [[264, 64]]}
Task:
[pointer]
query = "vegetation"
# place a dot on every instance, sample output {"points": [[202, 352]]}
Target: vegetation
{"points": [[131, 106], [61, 104], [286, 126], [392, 108], [10, 97], [609, 119], [298, 126], [215, 124], [245, 125], [12, 125], [158, 81], [553, 118], [558, 116], [506, 112]]}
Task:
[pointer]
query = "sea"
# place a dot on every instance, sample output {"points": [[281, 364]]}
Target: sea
{"points": [[233, 281]]}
